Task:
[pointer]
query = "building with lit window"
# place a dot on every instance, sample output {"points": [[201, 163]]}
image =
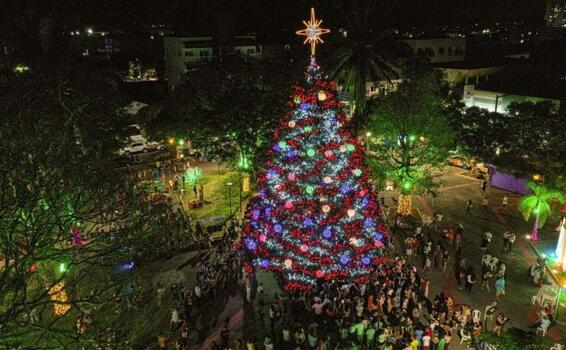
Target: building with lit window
{"points": [[439, 50]]}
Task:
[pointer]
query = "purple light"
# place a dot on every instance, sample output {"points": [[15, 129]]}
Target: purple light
{"points": [[365, 202], [345, 188], [251, 244], [368, 223], [271, 172], [276, 148], [278, 228], [268, 212], [255, 214], [292, 153], [327, 233], [265, 263], [304, 106], [366, 260], [378, 236], [344, 259], [308, 222]]}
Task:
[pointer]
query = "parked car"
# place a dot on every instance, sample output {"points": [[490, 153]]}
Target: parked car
{"points": [[459, 161], [140, 147]]}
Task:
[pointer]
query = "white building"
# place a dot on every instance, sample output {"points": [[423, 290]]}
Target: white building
{"points": [[439, 50], [497, 100], [182, 52]]}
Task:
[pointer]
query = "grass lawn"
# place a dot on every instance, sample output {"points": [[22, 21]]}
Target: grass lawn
{"points": [[216, 194]]}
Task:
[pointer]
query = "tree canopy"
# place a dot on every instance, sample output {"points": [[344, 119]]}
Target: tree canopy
{"points": [[525, 141], [229, 108], [410, 133]]}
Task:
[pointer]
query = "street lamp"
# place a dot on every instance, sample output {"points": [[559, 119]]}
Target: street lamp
{"points": [[243, 165], [368, 135], [229, 188]]}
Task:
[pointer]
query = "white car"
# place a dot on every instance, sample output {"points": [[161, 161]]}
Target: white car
{"points": [[140, 147]]}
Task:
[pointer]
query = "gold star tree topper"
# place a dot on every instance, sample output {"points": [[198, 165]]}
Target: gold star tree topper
{"points": [[312, 32]]}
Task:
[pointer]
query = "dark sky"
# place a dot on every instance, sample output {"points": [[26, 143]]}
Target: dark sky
{"points": [[257, 15]]}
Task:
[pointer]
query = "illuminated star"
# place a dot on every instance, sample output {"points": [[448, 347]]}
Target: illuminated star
{"points": [[313, 31]]}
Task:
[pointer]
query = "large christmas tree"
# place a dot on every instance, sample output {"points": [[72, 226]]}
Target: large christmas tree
{"points": [[315, 217]]}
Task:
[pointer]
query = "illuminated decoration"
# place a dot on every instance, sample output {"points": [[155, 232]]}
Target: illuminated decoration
{"points": [[561, 246], [321, 96], [77, 240], [21, 68], [171, 141], [405, 205], [193, 176], [316, 211], [58, 296], [537, 177], [312, 32], [62, 267], [32, 268], [292, 124], [246, 183]]}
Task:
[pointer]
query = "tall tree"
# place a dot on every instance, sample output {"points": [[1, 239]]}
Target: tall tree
{"points": [[525, 141], [228, 108], [57, 254], [410, 135], [538, 205], [364, 52]]}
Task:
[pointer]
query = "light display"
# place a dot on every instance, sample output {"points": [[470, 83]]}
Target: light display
{"points": [[405, 206], [58, 296], [315, 217], [312, 32]]}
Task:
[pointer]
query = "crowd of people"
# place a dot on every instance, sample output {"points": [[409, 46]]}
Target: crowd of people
{"points": [[391, 311], [213, 274]]}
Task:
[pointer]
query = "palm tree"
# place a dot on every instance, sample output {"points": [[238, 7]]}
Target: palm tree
{"points": [[537, 204], [362, 54]]}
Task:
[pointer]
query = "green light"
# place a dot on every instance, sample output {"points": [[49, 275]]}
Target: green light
{"points": [[351, 147], [62, 268], [181, 142], [21, 68], [282, 144], [297, 100], [311, 152], [193, 176], [310, 189], [412, 138], [243, 163], [307, 128], [406, 185]]}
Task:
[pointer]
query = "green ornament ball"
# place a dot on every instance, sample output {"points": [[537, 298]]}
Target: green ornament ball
{"points": [[282, 144], [311, 152], [310, 189], [351, 147]]}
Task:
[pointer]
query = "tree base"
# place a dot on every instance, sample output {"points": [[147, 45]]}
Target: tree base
{"points": [[405, 206]]}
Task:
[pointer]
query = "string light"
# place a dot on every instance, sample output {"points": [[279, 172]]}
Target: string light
{"points": [[315, 217], [58, 296]]}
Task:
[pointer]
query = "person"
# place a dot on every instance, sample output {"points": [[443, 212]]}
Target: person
{"points": [[508, 240], [504, 202], [499, 287], [225, 334], [195, 191], [469, 205], [500, 321], [470, 280], [268, 344], [485, 203], [201, 193], [485, 277], [483, 184], [174, 319], [426, 341]]}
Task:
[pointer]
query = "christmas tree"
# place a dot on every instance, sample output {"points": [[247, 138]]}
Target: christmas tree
{"points": [[315, 217]]}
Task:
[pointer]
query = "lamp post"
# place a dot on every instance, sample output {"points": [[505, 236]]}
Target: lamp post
{"points": [[229, 188], [243, 165], [368, 135]]}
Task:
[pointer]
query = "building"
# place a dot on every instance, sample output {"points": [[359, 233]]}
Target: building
{"points": [[456, 75], [496, 99], [555, 13], [439, 50], [183, 52]]}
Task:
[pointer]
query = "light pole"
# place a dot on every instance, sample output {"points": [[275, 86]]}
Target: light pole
{"points": [[229, 187], [243, 165], [368, 135]]}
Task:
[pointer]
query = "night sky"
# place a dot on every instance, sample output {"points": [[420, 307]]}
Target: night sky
{"points": [[261, 15]]}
